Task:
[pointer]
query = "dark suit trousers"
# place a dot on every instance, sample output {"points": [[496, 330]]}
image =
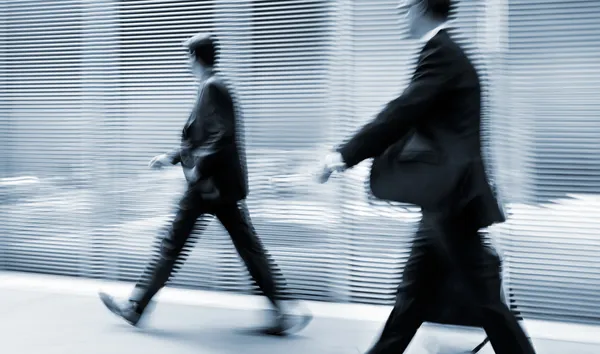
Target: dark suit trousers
{"points": [[441, 246], [176, 244]]}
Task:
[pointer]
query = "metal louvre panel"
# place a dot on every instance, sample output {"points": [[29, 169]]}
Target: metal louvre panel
{"points": [[45, 140], [555, 77], [378, 235], [103, 126], [4, 128], [287, 115], [91, 90]]}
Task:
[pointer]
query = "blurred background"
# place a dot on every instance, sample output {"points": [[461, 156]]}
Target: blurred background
{"points": [[92, 89]]}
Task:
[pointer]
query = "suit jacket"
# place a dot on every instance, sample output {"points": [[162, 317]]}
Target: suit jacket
{"points": [[426, 143], [209, 143]]}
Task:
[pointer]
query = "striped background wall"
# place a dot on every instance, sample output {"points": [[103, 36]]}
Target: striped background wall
{"points": [[91, 90]]}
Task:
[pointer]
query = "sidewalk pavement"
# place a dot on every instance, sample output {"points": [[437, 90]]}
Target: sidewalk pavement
{"points": [[34, 321]]}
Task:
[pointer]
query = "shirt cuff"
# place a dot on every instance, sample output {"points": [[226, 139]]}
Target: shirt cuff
{"points": [[335, 162]]}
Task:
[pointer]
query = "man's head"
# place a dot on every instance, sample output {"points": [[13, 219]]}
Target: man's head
{"points": [[422, 14], [202, 49]]}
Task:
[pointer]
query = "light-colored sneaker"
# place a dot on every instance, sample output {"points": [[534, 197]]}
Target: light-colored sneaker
{"points": [[127, 311], [293, 318]]}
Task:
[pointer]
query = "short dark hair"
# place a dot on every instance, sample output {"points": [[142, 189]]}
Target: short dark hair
{"points": [[439, 8], [204, 47]]}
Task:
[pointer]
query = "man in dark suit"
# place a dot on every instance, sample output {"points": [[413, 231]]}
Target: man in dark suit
{"points": [[216, 179], [427, 150]]}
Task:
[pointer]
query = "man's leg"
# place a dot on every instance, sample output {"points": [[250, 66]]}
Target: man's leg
{"points": [[262, 268], [419, 281], [462, 243], [492, 254], [481, 272], [172, 253], [159, 270]]}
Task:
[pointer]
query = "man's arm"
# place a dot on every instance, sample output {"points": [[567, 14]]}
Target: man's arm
{"points": [[216, 130], [429, 80], [174, 156]]}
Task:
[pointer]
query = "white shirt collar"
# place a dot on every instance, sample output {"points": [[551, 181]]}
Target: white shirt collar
{"points": [[429, 35]]}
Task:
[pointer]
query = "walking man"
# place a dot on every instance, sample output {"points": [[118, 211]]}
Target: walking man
{"points": [[216, 185], [426, 149]]}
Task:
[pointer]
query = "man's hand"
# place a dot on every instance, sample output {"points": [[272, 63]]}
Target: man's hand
{"points": [[159, 161], [332, 162]]}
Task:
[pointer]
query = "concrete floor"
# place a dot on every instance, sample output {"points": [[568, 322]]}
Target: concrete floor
{"points": [[37, 322]]}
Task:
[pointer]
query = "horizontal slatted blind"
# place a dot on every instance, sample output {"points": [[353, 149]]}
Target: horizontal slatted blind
{"points": [[86, 105], [45, 138], [378, 236], [4, 128], [100, 105], [553, 243], [286, 113]]}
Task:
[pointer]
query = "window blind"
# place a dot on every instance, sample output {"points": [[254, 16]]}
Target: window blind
{"points": [[4, 128], [285, 108], [552, 242], [44, 138], [91, 90]]}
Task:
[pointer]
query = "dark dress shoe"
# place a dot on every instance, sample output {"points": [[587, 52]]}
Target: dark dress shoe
{"points": [[127, 311]]}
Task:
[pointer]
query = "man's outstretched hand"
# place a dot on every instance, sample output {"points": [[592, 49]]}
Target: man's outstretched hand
{"points": [[332, 162], [159, 161]]}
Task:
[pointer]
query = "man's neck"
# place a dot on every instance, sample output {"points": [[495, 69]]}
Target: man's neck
{"points": [[430, 28], [206, 74]]}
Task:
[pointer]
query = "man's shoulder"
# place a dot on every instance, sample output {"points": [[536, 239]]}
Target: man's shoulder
{"points": [[452, 47], [443, 50], [216, 85]]}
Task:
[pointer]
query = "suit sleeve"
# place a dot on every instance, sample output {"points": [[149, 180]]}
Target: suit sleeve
{"points": [[400, 115], [218, 127], [174, 156]]}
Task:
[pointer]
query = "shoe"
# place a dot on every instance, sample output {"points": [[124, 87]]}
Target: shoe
{"points": [[286, 323], [127, 311]]}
